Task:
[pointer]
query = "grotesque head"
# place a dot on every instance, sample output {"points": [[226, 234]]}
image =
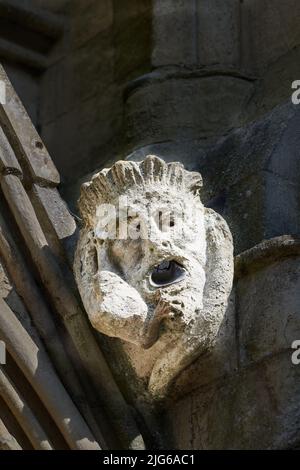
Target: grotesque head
{"points": [[152, 264]]}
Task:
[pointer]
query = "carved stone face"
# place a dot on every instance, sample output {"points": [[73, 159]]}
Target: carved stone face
{"points": [[165, 264], [151, 280]]}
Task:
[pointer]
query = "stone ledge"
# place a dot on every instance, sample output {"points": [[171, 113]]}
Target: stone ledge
{"points": [[266, 253], [162, 74]]}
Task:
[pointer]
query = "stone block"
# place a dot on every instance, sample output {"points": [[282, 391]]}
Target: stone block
{"points": [[24, 138], [256, 409], [273, 29], [219, 32], [268, 309], [55, 218], [56, 209], [184, 108], [26, 84], [174, 33], [87, 72], [8, 161], [247, 149]]}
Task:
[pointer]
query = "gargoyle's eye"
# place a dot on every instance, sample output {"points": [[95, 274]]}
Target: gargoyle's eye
{"points": [[166, 273]]}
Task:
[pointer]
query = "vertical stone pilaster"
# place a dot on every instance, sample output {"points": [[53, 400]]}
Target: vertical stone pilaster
{"points": [[196, 89], [174, 32], [218, 32]]}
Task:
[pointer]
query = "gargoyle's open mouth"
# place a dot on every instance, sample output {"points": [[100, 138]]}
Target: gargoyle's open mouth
{"points": [[167, 273]]}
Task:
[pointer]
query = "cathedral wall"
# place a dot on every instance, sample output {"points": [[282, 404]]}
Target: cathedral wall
{"points": [[189, 81]]}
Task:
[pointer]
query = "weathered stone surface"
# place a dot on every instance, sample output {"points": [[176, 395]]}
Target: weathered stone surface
{"points": [[178, 319], [34, 362], [207, 32], [77, 78], [256, 409], [29, 16], [250, 170], [170, 48], [269, 310], [182, 108], [273, 28], [132, 29], [266, 253], [56, 6], [55, 218], [7, 441], [246, 150], [81, 137], [284, 161], [24, 138], [249, 178], [23, 414], [219, 32], [65, 302], [24, 81], [11, 296], [8, 161], [246, 175], [220, 362], [5, 286]]}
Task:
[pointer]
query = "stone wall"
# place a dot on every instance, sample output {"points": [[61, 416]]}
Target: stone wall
{"points": [[252, 46], [249, 399], [208, 83], [108, 43], [213, 90]]}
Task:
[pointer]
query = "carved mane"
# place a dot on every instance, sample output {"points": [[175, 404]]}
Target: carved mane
{"points": [[107, 185]]}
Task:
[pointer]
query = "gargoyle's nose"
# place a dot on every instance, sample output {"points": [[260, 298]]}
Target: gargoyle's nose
{"points": [[167, 273]]}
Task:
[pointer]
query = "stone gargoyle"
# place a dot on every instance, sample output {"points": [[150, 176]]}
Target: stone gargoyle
{"points": [[154, 267]]}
